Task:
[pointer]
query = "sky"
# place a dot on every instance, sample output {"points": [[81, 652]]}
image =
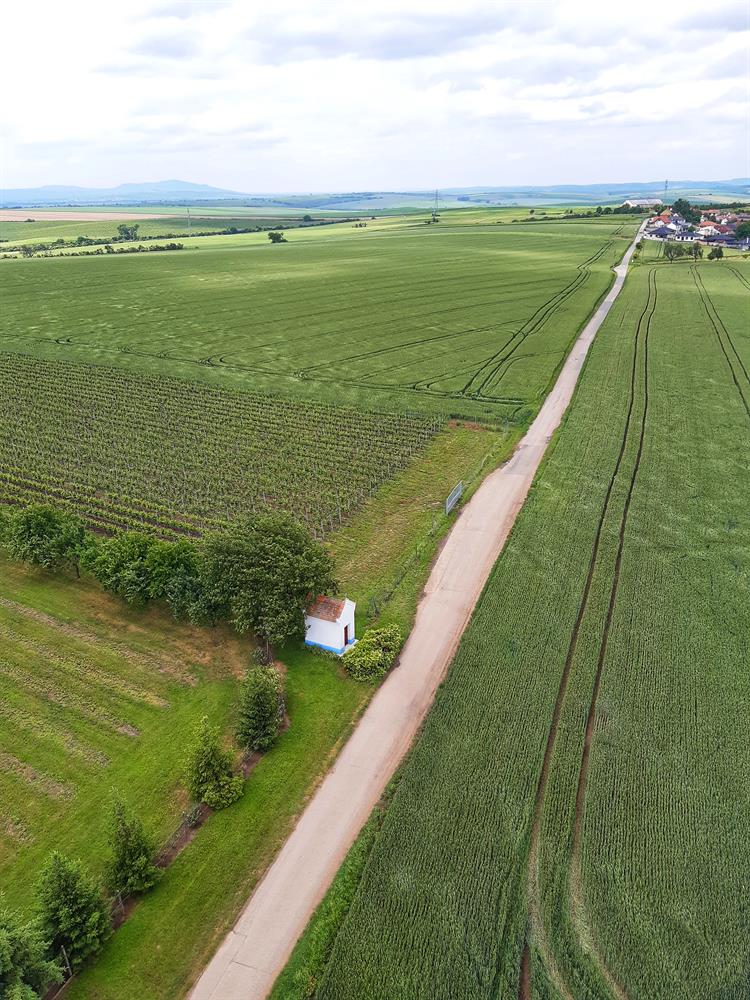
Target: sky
{"points": [[358, 95]]}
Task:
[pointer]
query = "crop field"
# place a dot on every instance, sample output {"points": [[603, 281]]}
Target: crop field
{"points": [[574, 821], [452, 319], [126, 450]]}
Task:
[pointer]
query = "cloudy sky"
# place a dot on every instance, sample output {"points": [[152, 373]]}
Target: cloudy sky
{"points": [[304, 95]]}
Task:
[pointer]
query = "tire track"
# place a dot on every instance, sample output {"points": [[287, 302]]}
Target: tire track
{"points": [[534, 323], [718, 324], [534, 915], [575, 867]]}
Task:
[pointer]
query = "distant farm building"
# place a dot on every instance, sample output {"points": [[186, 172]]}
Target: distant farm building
{"points": [[642, 203], [329, 624]]}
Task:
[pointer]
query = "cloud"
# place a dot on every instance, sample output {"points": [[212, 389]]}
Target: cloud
{"points": [[409, 36], [166, 45], [731, 17]]}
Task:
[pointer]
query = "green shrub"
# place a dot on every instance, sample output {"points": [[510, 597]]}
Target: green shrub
{"points": [[261, 708], [130, 868], [71, 910], [372, 656], [25, 972], [209, 769]]}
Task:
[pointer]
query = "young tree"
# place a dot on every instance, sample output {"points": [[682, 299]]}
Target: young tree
{"points": [[71, 910], [209, 769], [25, 971], [130, 868], [261, 708], [715, 253], [119, 563], [696, 250], [46, 537], [261, 572]]}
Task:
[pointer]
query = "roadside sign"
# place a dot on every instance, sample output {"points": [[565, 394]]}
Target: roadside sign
{"points": [[454, 497]]}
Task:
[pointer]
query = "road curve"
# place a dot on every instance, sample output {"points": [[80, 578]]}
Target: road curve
{"points": [[256, 950]]}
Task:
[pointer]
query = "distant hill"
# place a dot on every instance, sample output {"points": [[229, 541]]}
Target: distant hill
{"points": [[123, 194], [176, 192]]}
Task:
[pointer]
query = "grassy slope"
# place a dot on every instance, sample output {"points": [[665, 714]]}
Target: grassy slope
{"points": [[201, 893], [435, 304], [441, 910]]}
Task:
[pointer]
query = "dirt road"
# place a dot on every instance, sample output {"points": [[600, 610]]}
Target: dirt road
{"points": [[45, 215], [255, 951]]}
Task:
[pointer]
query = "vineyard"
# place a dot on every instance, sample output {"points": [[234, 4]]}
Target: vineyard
{"points": [[462, 319], [132, 451], [573, 822]]}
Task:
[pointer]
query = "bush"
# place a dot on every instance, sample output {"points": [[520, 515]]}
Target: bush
{"points": [[25, 972], [209, 769], [71, 910], [261, 708], [120, 564], [45, 537], [373, 655], [130, 868]]}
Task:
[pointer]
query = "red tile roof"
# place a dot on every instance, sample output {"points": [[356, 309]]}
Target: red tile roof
{"points": [[329, 609]]}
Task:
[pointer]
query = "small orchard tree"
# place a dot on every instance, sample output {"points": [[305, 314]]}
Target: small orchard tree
{"points": [[71, 910], [46, 537], [25, 970], [715, 253], [209, 769], [261, 708], [130, 868], [696, 251]]}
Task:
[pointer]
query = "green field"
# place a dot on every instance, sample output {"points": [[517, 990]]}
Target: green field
{"points": [[94, 696], [457, 319], [574, 820]]}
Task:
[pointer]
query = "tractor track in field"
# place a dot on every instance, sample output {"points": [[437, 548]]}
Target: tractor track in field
{"points": [[535, 918], [719, 328], [740, 276], [537, 319]]}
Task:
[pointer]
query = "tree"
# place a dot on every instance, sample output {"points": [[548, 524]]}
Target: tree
{"points": [[261, 708], [696, 250], [25, 971], [71, 910], [307, 218], [742, 231], [599, 209], [673, 250], [130, 868], [127, 232], [119, 563], [715, 253], [46, 537], [209, 769], [277, 237], [261, 572], [685, 209]]}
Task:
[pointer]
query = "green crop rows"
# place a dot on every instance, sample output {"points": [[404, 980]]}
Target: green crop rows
{"points": [[575, 818], [469, 320], [127, 450]]}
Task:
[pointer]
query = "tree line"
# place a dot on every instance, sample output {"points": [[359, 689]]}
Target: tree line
{"points": [[257, 575]]}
